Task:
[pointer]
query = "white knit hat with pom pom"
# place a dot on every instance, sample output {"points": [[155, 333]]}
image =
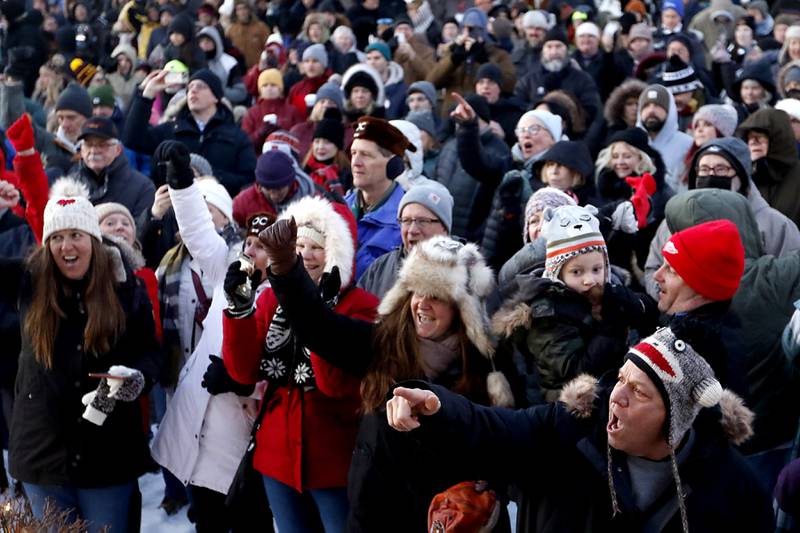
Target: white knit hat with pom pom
{"points": [[69, 208]]}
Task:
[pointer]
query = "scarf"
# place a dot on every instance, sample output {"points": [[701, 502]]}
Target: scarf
{"points": [[422, 19], [66, 143], [285, 361], [438, 355], [169, 284], [325, 175]]}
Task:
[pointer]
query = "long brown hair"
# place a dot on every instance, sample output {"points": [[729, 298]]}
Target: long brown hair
{"points": [[397, 356], [105, 320]]}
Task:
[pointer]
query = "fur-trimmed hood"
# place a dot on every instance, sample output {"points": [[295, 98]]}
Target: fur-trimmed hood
{"points": [[336, 222], [371, 72], [449, 270], [580, 394], [615, 104]]}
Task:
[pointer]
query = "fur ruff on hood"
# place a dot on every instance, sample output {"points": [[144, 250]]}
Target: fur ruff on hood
{"points": [[580, 394], [615, 105], [338, 228], [130, 255], [446, 269], [365, 67]]}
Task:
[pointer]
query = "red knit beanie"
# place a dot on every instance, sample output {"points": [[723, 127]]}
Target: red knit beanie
{"points": [[709, 257]]}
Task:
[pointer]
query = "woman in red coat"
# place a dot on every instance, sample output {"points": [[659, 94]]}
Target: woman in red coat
{"points": [[308, 434]]}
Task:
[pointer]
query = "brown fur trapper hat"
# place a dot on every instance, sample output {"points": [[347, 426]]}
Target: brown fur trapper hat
{"points": [[383, 134], [451, 271]]}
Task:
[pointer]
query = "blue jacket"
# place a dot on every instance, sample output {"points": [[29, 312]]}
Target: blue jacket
{"points": [[378, 231]]}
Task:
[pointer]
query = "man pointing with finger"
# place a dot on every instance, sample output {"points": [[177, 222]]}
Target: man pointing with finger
{"points": [[649, 455]]}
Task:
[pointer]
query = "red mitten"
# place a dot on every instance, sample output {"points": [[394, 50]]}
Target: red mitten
{"points": [[643, 188], [21, 134]]}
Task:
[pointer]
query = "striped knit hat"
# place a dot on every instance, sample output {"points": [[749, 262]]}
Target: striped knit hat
{"points": [[570, 230]]}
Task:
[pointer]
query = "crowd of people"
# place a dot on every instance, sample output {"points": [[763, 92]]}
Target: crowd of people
{"points": [[361, 251]]}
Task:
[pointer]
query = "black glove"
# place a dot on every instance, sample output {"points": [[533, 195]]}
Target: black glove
{"points": [[240, 295], [216, 380], [458, 53], [177, 164], [330, 284]]}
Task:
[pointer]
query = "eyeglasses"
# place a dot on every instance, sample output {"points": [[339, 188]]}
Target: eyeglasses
{"points": [[531, 130], [719, 170], [422, 223]]}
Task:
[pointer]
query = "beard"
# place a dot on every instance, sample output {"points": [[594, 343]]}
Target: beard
{"points": [[555, 65], [653, 124]]}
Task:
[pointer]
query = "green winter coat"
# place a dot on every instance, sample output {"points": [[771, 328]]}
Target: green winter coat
{"points": [[764, 305], [778, 174]]}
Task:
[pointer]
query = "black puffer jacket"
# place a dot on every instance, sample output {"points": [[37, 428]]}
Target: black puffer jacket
{"points": [[471, 166], [51, 444], [224, 144]]}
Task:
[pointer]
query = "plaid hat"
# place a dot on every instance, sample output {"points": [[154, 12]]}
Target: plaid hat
{"points": [[75, 98], [274, 170], [272, 76], [433, 196], [102, 95], [709, 257], [684, 379], [210, 79], [216, 195], [570, 231], [381, 47], [541, 199], [656, 93], [98, 127], [722, 116], [69, 208], [258, 222], [383, 134], [679, 77]]}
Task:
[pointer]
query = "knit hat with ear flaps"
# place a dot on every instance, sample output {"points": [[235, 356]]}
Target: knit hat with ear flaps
{"points": [[570, 231], [69, 208], [684, 379], [446, 269], [332, 226]]}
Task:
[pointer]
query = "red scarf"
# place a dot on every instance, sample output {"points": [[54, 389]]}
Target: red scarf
{"points": [[325, 175]]}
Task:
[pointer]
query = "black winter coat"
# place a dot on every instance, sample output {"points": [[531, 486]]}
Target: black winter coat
{"points": [[118, 183], [551, 449], [506, 112], [224, 144], [538, 82], [376, 484], [471, 166], [50, 443]]}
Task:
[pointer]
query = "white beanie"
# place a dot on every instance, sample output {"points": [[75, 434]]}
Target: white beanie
{"points": [[547, 119], [216, 195], [69, 208], [790, 106], [588, 28]]}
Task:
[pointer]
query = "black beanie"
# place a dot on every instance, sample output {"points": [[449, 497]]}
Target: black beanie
{"points": [[210, 79], [490, 71], [556, 34], [361, 79], [480, 105], [75, 98], [331, 127], [182, 24]]}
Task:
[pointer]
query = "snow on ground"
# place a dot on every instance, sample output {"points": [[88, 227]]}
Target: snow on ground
{"points": [[154, 519]]}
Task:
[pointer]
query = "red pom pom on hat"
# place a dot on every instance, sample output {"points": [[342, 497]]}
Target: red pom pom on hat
{"points": [[709, 257]]}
